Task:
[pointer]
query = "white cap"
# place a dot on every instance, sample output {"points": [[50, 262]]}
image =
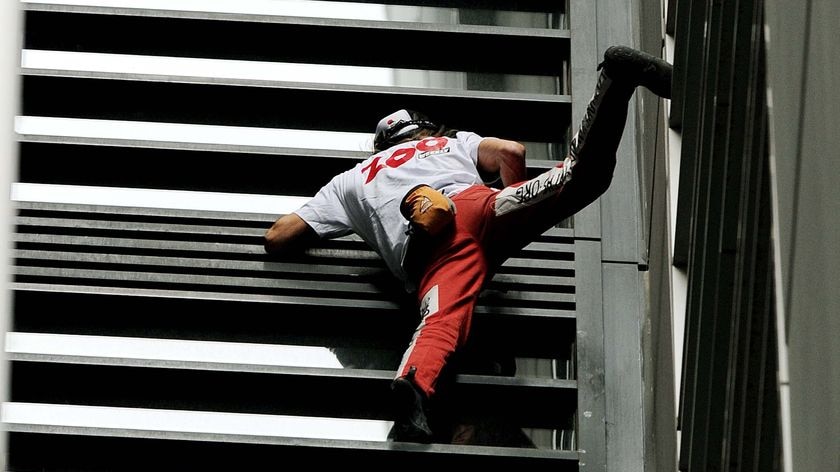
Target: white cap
{"points": [[393, 119]]}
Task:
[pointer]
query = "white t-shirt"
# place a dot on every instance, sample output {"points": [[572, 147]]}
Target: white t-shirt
{"points": [[366, 199]]}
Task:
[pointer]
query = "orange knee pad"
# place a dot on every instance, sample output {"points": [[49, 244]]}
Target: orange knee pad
{"points": [[427, 209]]}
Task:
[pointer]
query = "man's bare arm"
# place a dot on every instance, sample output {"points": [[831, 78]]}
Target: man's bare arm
{"points": [[507, 158], [288, 233]]}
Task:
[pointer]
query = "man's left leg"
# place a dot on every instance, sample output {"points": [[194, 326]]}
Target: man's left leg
{"points": [[447, 291]]}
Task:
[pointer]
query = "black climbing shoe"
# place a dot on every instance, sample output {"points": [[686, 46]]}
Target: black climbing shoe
{"points": [[627, 65], [410, 421]]}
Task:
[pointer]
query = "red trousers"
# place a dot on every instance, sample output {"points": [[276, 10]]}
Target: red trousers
{"points": [[489, 226]]}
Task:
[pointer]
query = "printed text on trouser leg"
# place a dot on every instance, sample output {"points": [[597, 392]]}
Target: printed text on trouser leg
{"points": [[535, 190]]}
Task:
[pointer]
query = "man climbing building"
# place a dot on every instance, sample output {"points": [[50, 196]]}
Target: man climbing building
{"points": [[423, 202]]}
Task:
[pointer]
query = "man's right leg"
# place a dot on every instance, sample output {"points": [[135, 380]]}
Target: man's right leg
{"points": [[587, 171], [621, 72]]}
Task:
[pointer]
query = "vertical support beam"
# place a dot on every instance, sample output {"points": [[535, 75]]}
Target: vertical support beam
{"points": [[9, 93], [742, 236], [679, 16], [592, 434], [688, 72], [804, 76], [657, 338], [584, 56], [620, 206], [592, 439], [649, 135], [786, 66], [703, 263], [693, 74], [623, 312]]}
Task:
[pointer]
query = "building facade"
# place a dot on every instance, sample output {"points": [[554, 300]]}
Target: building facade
{"points": [[650, 332]]}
